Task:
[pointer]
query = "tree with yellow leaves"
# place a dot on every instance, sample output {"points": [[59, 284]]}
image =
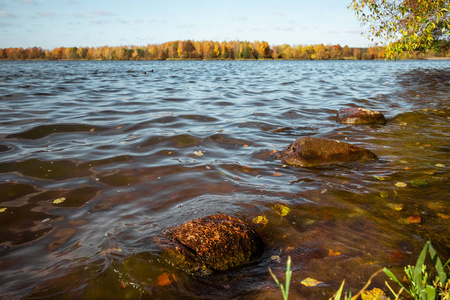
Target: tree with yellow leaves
{"points": [[405, 25]]}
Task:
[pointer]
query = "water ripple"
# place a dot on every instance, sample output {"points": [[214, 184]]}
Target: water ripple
{"points": [[128, 154]]}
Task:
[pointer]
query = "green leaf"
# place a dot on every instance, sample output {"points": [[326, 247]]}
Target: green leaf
{"points": [[448, 261], [418, 182], [339, 292], [438, 265], [288, 276], [393, 278], [417, 273], [431, 292]]}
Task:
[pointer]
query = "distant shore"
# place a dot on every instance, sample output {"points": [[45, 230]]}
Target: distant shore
{"points": [[211, 50]]}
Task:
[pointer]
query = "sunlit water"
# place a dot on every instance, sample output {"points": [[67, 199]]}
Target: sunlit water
{"points": [[130, 154]]}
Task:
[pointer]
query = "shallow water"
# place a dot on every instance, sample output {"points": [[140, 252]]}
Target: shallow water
{"points": [[131, 154]]}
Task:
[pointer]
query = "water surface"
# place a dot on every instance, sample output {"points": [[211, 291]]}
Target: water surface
{"points": [[129, 154]]}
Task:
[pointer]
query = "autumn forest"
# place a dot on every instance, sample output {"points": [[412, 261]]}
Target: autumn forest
{"points": [[207, 50]]}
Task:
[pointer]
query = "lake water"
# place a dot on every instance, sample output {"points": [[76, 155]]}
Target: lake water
{"points": [[127, 155]]}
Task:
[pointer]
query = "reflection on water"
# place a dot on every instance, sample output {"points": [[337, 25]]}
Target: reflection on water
{"points": [[128, 154]]}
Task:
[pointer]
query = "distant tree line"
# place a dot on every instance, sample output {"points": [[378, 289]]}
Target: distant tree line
{"points": [[187, 49]]}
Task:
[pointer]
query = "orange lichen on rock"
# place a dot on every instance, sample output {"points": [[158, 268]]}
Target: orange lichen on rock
{"points": [[218, 241]]}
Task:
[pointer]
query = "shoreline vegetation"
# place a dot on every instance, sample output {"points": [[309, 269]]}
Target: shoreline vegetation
{"points": [[211, 50]]}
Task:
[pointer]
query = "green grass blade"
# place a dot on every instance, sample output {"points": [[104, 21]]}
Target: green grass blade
{"points": [[417, 273], [339, 292], [421, 260], [283, 292], [274, 277], [393, 278], [438, 265], [288, 276], [448, 261]]}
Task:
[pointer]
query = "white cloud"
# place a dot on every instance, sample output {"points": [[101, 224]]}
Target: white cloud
{"points": [[5, 14]]}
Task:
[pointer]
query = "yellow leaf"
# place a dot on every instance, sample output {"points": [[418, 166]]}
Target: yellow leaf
{"points": [[198, 153], [440, 165], [59, 200], [375, 294], [311, 282], [3, 209], [260, 220], [334, 253], [281, 209], [401, 184], [277, 174], [276, 257], [444, 216], [397, 207]]}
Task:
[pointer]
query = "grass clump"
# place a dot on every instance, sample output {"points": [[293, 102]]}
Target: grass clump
{"points": [[423, 284], [284, 291], [420, 283]]}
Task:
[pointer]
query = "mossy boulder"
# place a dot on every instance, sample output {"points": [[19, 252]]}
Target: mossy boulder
{"points": [[313, 152], [360, 116], [214, 243]]}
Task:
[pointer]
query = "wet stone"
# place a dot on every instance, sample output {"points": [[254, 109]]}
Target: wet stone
{"points": [[213, 243], [360, 116], [313, 152]]}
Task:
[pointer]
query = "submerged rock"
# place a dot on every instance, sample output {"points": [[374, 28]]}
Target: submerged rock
{"points": [[312, 152], [360, 116], [216, 242]]}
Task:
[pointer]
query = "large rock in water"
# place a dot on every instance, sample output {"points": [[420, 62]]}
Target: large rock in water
{"points": [[313, 152], [217, 242], [360, 116]]}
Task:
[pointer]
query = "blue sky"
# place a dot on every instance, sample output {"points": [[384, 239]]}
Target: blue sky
{"points": [[54, 23]]}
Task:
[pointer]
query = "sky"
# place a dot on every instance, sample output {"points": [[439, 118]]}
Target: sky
{"points": [[92, 23]]}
